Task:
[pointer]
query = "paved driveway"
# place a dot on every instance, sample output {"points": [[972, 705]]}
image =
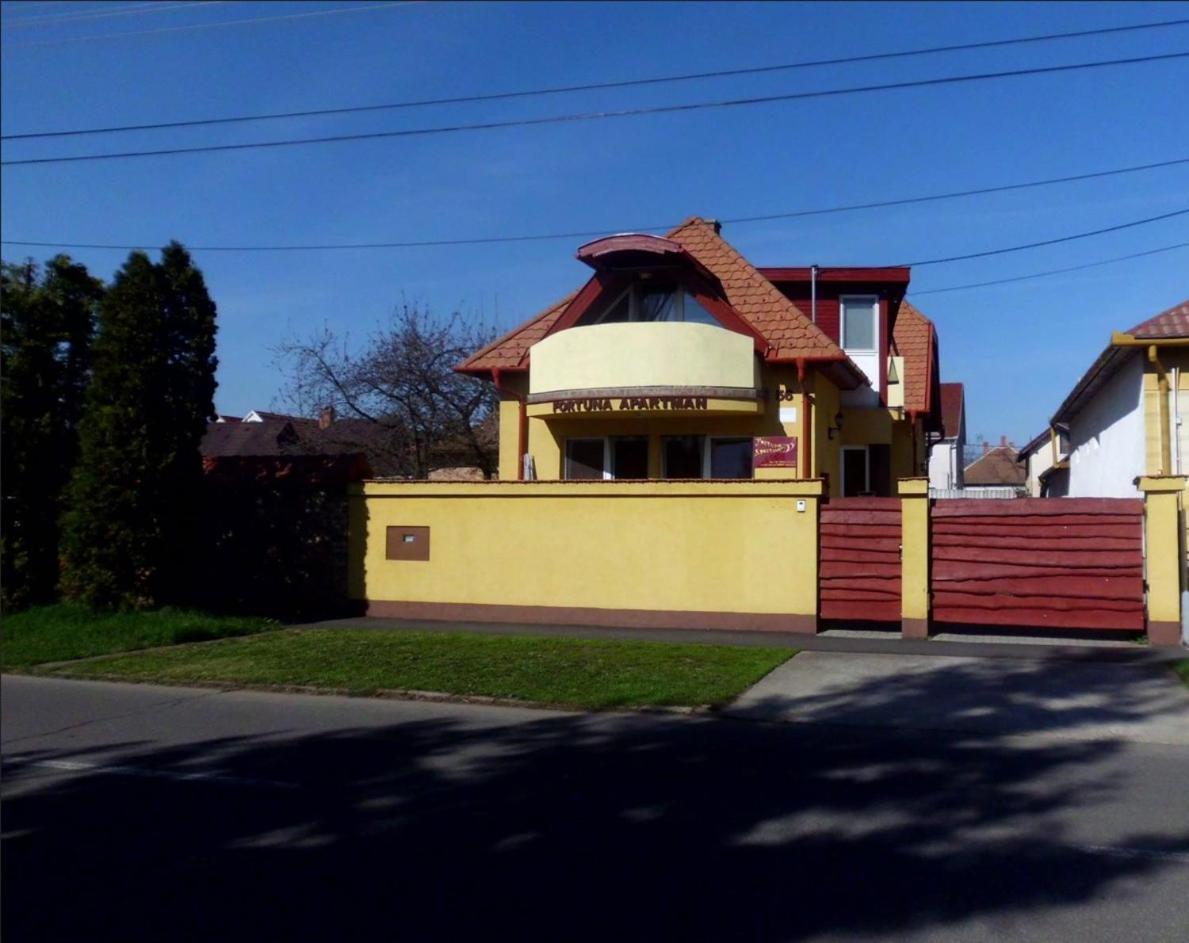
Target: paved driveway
{"points": [[1041, 698]]}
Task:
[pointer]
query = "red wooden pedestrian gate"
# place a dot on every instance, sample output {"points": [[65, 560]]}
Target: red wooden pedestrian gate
{"points": [[860, 559], [1059, 562]]}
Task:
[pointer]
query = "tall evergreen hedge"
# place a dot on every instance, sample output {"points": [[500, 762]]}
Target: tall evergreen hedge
{"points": [[132, 535]]}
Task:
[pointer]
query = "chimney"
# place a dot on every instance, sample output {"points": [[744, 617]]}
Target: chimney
{"points": [[986, 446], [326, 417], [1003, 441], [717, 224]]}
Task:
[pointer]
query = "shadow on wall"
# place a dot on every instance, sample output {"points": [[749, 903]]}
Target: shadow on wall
{"points": [[582, 827]]}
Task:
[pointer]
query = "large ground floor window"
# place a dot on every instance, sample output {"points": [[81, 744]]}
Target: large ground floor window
{"points": [[682, 456]]}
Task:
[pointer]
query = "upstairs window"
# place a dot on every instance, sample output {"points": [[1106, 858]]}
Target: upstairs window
{"points": [[860, 324], [645, 302]]}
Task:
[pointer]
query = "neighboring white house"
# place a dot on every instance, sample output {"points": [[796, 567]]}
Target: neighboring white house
{"points": [[1046, 463], [1118, 429], [947, 458]]}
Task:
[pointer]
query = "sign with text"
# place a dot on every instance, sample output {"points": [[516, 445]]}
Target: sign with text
{"points": [[600, 404], [776, 451]]}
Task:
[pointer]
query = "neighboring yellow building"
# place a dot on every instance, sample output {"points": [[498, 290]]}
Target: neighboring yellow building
{"points": [[1125, 418], [679, 359]]}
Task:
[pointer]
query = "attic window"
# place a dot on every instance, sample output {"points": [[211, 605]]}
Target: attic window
{"points": [[644, 302]]}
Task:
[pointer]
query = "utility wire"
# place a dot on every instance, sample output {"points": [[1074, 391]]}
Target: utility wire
{"points": [[1055, 271], [1045, 242], [568, 89], [955, 258], [599, 115], [656, 227], [136, 9], [193, 26]]}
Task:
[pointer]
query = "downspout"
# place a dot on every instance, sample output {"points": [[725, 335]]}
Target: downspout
{"points": [[1162, 386], [912, 426], [806, 419], [522, 424], [1176, 416]]}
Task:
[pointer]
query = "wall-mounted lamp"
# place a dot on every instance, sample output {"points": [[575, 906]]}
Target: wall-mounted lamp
{"points": [[832, 432]]}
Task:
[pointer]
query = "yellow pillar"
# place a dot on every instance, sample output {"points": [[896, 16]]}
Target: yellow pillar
{"points": [[914, 557], [1164, 562]]}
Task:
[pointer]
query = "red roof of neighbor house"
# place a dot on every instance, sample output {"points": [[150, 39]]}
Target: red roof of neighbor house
{"points": [[952, 407], [915, 339], [790, 334], [1171, 323], [996, 466]]}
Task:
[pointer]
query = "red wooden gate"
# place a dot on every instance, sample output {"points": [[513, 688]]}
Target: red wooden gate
{"points": [[860, 559], [1059, 562]]}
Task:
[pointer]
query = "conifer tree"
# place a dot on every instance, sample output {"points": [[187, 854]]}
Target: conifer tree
{"points": [[131, 531], [48, 319]]}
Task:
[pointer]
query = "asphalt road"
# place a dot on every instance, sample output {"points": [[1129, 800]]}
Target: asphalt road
{"points": [[145, 813]]}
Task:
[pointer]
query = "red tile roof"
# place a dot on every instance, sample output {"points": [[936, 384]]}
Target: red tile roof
{"points": [[952, 408], [996, 466], [915, 339], [1171, 323], [790, 334]]}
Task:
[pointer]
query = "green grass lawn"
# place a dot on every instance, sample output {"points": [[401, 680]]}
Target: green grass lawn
{"points": [[581, 673], [64, 632], [1182, 669]]}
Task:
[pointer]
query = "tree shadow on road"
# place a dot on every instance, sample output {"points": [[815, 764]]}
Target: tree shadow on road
{"points": [[580, 827]]}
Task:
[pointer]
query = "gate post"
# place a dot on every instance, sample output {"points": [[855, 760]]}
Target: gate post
{"points": [[914, 558], [1164, 563]]}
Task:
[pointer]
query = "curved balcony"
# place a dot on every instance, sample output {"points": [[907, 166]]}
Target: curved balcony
{"points": [[645, 359]]}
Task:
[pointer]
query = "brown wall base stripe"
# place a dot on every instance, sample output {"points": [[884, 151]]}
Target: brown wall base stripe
{"points": [[576, 615]]}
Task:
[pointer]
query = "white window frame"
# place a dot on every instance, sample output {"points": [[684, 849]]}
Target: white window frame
{"points": [[565, 458], [708, 444], [842, 469], [633, 291], [873, 301]]}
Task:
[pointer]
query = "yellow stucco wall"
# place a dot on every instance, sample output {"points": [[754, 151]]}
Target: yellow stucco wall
{"points": [[602, 356], [668, 546]]}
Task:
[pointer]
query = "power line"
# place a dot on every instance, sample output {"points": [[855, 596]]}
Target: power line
{"points": [[136, 9], [655, 227], [599, 115], [1055, 271], [193, 26], [942, 261], [567, 89], [1045, 242]]}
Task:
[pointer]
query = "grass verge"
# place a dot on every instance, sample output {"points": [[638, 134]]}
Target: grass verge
{"points": [[1182, 670], [65, 632], [589, 674]]}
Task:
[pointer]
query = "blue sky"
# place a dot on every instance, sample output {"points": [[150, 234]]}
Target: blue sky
{"points": [[1018, 347]]}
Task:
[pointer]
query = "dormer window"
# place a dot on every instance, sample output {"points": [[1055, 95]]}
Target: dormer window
{"points": [[644, 302]]}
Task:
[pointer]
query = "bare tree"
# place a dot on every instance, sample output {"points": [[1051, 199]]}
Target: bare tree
{"points": [[422, 414]]}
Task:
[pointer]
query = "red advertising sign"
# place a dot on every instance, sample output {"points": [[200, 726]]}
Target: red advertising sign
{"points": [[778, 451]]}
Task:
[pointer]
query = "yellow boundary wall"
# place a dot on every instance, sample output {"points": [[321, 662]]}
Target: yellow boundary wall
{"points": [[698, 554]]}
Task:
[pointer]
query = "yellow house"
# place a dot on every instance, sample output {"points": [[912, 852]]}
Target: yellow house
{"points": [[679, 359]]}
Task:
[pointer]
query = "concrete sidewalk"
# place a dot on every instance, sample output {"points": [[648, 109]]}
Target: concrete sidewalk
{"points": [[1045, 700]]}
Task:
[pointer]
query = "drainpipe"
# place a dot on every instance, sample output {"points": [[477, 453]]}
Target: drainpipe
{"points": [[522, 424], [1162, 386], [1176, 416], [806, 419], [813, 293], [1119, 339], [912, 426]]}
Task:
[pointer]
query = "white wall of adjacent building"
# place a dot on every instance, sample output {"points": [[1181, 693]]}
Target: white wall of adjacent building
{"points": [[946, 461], [1107, 438]]}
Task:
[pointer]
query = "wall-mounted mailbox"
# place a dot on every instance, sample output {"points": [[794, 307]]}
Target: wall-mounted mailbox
{"points": [[407, 543]]}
